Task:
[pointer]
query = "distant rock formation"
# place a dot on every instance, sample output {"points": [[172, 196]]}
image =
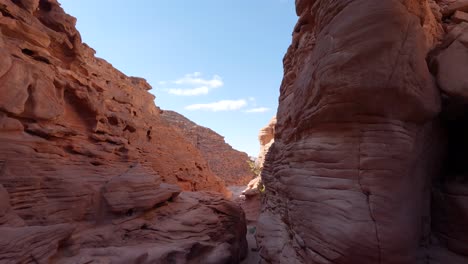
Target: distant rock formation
{"points": [[227, 163], [266, 137], [369, 162], [88, 170], [251, 195]]}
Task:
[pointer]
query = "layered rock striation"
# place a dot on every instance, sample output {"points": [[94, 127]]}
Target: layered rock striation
{"points": [[366, 164], [62, 105], [88, 169], [227, 163]]}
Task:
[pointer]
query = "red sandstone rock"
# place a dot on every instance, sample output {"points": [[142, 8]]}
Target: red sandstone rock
{"points": [[250, 202], [8, 218], [451, 63], [88, 169], [266, 138], [227, 163], [459, 17], [461, 5], [32, 244], [193, 228], [357, 142], [56, 91], [137, 189]]}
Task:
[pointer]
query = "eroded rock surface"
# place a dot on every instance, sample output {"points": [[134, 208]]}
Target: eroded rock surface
{"points": [[229, 164], [359, 145], [88, 170], [192, 228], [135, 190], [250, 199], [61, 106], [266, 137]]}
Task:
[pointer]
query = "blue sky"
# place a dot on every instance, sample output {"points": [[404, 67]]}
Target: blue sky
{"points": [[218, 62]]}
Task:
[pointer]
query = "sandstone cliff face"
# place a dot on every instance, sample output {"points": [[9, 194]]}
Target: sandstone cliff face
{"points": [[251, 195], [360, 145], [227, 163], [62, 105], [266, 137], [88, 170]]}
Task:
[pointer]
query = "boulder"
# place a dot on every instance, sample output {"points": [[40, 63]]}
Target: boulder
{"points": [[137, 189], [457, 5], [460, 16], [451, 64]]}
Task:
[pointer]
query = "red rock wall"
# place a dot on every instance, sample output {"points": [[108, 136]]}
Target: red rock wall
{"points": [[266, 139], [227, 163], [88, 170], [63, 110], [358, 140]]}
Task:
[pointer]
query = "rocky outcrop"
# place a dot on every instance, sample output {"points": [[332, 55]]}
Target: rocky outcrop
{"points": [[229, 164], [360, 143], [191, 228], [62, 107], [134, 190], [266, 137], [451, 63], [88, 169], [250, 198]]}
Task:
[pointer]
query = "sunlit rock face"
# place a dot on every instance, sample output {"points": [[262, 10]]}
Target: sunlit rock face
{"points": [[227, 163], [88, 170], [359, 143], [266, 137]]}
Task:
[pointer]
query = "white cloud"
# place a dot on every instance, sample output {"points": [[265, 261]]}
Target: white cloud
{"points": [[189, 92], [193, 84], [195, 79], [258, 110], [223, 105]]}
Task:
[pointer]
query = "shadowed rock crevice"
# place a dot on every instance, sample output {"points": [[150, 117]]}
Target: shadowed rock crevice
{"points": [[368, 195], [455, 121], [450, 189]]}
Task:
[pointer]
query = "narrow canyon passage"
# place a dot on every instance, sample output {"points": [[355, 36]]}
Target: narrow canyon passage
{"points": [[91, 170], [365, 161], [252, 212]]}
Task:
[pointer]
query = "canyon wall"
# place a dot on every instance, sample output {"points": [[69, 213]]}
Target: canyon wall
{"points": [[227, 163], [364, 168], [63, 107], [88, 169], [266, 137]]}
